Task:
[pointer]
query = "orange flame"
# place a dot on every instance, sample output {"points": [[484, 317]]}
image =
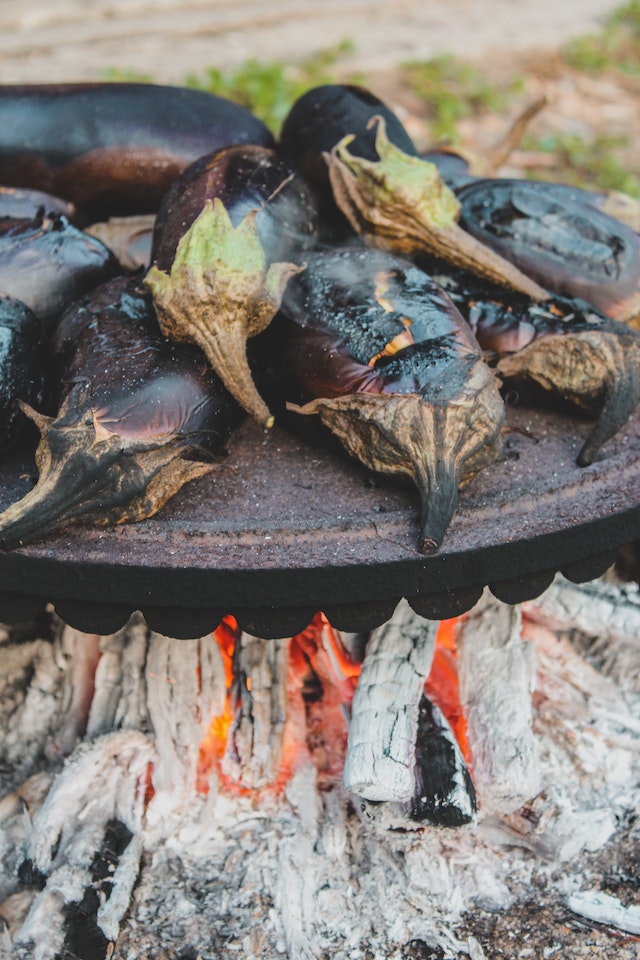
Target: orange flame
{"points": [[442, 686]]}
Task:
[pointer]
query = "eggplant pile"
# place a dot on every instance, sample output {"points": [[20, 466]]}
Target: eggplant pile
{"points": [[138, 418], [335, 274]]}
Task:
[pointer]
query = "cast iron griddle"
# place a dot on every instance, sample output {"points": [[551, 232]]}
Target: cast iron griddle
{"points": [[284, 528]]}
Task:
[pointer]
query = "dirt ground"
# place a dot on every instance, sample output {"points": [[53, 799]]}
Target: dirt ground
{"points": [[56, 40], [70, 40]]}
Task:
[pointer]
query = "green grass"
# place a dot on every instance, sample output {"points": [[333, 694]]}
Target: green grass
{"points": [[453, 90], [594, 164], [269, 89], [616, 47]]}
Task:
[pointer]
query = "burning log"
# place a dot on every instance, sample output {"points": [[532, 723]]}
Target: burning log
{"points": [[259, 698], [497, 677], [380, 762], [606, 614]]}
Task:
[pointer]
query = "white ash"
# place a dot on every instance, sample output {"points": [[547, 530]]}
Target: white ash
{"points": [[497, 677], [603, 619], [380, 760], [305, 872]]}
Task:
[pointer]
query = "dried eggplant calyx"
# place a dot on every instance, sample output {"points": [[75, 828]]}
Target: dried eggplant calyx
{"points": [[220, 292], [439, 446], [372, 346], [597, 369], [87, 473], [400, 203]]}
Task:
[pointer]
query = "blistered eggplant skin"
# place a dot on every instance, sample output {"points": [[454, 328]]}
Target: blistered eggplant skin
{"points": [[569, 351], [373, 346], [23, 366], [138, 418], [555, 236], [229, 234], [113, 148], [47, 263], [243, 178]]}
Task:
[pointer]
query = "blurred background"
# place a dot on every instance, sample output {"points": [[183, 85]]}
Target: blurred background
{"points": [[456, 70]]}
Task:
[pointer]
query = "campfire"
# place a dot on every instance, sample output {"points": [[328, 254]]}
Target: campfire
{"points": [[427, 790]]}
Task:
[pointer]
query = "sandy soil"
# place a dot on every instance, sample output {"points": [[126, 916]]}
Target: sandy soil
{"points": [[55, 40]]}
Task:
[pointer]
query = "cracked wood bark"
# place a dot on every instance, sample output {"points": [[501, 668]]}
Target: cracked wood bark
{"points": [[496, 672], [380, 761], [259, 697]]}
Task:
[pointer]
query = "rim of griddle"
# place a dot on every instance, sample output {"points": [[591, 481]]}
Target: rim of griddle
{"points": [[284, 528]]}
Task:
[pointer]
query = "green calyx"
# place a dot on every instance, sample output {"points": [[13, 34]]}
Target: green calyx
{"points": [[397, 178], [219, 293]]}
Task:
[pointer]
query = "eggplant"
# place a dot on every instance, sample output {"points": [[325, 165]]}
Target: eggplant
{"points": [[23, 204], [47, 263], [569, 351], [391, 197], [229, 234], [113, 149], [138, 418], [372, 345], [553, 234], [23, 366]]}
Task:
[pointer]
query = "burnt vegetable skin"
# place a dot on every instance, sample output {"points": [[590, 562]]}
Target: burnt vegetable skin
{"points": [[113, 149], [391, 197], [47, 263], [553, 234], [229, 235], [562, 345], [23, 366], [370, 344], [138, 418]]}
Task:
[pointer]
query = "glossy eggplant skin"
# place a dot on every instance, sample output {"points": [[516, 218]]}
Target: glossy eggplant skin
{"points": [[373, 346], [138, 417], [24, 359], [23, 204], [113, 149], [47, 263], [229, 234], [244, 179], [141, 384], [322, 117], [553, 234]]}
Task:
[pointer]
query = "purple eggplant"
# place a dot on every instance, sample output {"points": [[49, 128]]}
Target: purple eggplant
{"points": [[22, 204], [569, 351], [228, 236], [554, 235], [47, 263], [372, 346], [23, 366], [138, 418], [113, 148], [391, 197]]}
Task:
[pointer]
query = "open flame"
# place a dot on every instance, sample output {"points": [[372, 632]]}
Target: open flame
{"points": [[321, 678]]}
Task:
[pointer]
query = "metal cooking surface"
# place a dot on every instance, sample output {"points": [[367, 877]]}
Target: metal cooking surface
{"points": [[284, 528]]}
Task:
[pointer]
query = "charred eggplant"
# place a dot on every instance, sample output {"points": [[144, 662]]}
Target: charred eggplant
{"points": [[568, 350], [138, 418], [553, 234], [46, 263], [391, 197], [372, 346], [23, 366], [228, 236], [113, 148]]}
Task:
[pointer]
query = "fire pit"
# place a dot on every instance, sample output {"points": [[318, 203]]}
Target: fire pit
{"points": [[201, 807], [283, 529]]}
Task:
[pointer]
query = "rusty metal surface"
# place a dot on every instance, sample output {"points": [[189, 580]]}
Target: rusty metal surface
{"points": [[284, 528]]}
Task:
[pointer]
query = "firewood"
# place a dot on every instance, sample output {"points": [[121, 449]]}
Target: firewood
{"points": [[380, 762]]}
